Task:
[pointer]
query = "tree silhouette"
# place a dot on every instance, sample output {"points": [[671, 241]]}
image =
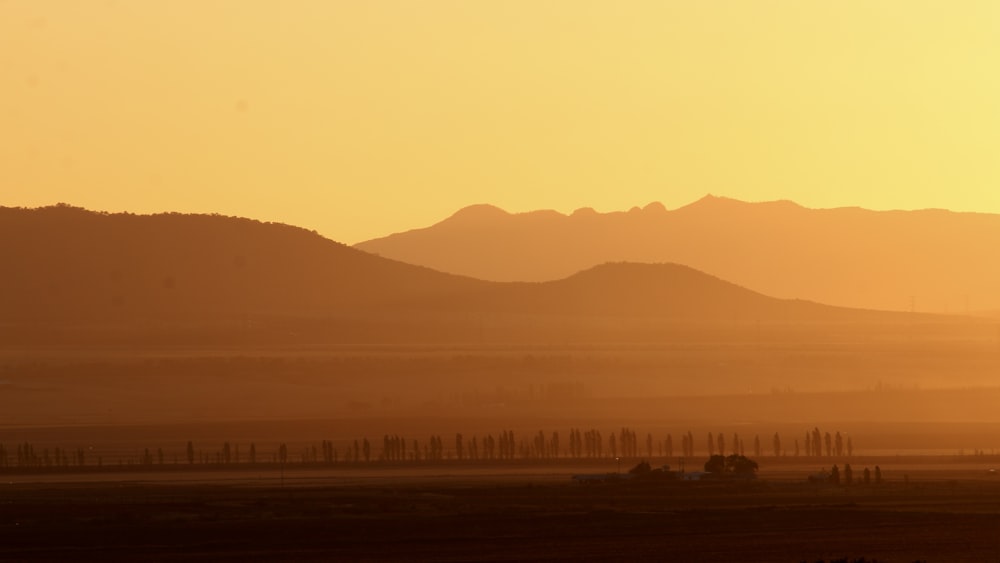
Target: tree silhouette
{"points": [[777, 445], [459, 450], [642, 468], [756, 445], [867, 476], [669, 446], [733, 464], [838, 445], [253, 453], [848, 474], [190, 452], [878, 475], [835, 475], [741, 465], [716, 464]]}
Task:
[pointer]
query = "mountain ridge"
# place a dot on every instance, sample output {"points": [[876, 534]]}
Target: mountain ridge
{"points": [[75, 268], [929, 260]]}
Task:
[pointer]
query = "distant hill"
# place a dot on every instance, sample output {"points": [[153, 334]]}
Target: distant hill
{"points": [[670, 292], [68, 264], [931, 260], [68, 269]]}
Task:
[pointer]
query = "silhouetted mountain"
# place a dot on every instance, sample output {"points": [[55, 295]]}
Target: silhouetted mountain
{"points": [[668, 292], [68, 264], [931, 260], [186, 274]]}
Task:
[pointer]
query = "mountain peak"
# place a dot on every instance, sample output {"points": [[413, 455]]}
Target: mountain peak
{"points": [[478, 212], [655, 207], [713, 201]]}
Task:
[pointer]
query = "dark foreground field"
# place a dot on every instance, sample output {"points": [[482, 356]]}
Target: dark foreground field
{"points": [[500, 518]]}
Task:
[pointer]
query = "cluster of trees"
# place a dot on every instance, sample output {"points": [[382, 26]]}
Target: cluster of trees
{"points": [[27, 456], [687, 444], [834, 445], [848, 475], [734, 464], [504, 445], [591, 444], [585, 444], [737, 446]]}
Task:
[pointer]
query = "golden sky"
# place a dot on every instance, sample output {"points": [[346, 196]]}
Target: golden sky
{"points": [[360, 118]]}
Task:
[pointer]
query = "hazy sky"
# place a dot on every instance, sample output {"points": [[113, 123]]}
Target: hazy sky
{"points": [[360, 118]]}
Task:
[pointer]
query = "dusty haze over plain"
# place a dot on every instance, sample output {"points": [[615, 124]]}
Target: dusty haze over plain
{"points": [[249, 143], [439, 280]]}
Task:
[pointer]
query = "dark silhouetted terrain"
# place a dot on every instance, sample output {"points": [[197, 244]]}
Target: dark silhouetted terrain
{"points": [[75, 274], [66, 264], [931, 260], [498, 518]]}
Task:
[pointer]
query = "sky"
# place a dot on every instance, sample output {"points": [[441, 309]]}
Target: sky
{"points": [[363, 118]]}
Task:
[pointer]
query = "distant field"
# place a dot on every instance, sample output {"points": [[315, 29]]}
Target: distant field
{"points": [[921, 407], [657, 386]]}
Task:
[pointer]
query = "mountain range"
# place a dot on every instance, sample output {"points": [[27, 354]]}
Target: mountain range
{"points": [[83, 271], [929, 260]]}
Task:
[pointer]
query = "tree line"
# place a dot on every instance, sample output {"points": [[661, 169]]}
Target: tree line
{"points": [[504, 445]]}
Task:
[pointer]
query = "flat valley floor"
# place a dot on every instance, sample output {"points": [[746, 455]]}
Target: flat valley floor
{"points": [[933, 513]]}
